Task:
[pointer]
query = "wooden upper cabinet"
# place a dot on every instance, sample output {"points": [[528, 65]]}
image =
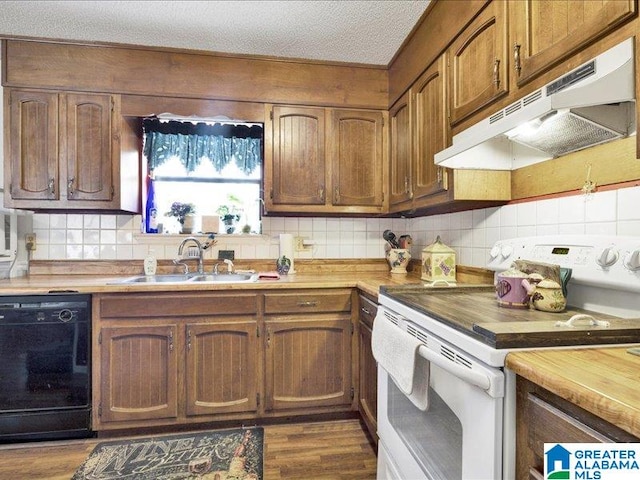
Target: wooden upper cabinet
{"points": [[64, 152], [32, 145], [419, 129], [401, 151], [431, 130], [323, 160], [298, 171], [356, 157], [478, 63], [88, 147], [546, 32]]}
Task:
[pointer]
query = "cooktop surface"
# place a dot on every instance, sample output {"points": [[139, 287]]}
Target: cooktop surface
{"points": [[473, 310]]}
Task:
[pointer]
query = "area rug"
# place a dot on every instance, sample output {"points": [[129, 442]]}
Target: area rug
{"points": [[216, 455]]}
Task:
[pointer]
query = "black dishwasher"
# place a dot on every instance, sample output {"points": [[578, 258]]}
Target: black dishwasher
{"points": [[45, 355]]}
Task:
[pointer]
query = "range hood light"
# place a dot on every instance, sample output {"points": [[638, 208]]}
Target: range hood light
{"points": [[531, 128]]}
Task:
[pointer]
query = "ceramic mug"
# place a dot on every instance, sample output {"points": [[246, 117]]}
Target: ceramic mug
{"points": [[511, 291]]}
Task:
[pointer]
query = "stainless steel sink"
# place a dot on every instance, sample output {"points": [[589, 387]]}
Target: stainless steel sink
{"points": [[225, 278], [157, 279], [191, 278]]}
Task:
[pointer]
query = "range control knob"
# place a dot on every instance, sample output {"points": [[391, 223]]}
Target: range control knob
{"points": [[632, 260], [507, 251], [607, 257], [495, 251]]}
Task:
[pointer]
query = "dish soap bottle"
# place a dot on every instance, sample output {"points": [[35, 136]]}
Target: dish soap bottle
{"points": [[150, 264]]}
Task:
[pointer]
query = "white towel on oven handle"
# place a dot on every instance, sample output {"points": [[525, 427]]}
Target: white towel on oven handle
{"points": [[397, 352], [420, 394]]}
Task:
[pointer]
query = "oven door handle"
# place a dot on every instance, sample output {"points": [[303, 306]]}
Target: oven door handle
{"points": [[469, 376]]}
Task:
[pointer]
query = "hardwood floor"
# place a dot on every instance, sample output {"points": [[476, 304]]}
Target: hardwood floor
{"points": [[335, 450]]}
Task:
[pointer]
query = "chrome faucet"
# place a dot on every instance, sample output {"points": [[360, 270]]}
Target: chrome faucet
{"points": [[200, 252]]}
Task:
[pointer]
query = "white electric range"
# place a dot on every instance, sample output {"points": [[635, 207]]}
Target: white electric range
{"points": [[468, 430]]}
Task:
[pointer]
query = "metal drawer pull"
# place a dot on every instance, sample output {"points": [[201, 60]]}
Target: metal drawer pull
{"points": [[365, 311], [307, 304], [469, 376], [516, 58], [496, 73]]}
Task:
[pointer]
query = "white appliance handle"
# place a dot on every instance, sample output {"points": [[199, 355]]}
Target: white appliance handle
{"points": [[469, 376]]}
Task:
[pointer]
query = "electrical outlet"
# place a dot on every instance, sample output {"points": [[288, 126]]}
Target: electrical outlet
{"points": [[300, 245], [30, 240], [226, 255]]}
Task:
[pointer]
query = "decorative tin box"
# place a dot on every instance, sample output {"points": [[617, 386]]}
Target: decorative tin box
{"points": [[438, 263]]}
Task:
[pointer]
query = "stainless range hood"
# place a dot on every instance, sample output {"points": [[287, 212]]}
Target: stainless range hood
{"points": [[593, 104]]}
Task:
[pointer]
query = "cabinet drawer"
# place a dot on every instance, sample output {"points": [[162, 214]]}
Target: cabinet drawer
{"points": [[159, 305], [549, 424], [368, 311], [308, 301]]}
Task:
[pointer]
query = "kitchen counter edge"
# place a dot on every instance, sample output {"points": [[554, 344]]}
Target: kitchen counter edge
{"points": [[601, 380]]}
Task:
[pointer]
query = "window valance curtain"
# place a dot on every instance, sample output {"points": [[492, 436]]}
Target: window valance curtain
{"points": [[191, 142]]}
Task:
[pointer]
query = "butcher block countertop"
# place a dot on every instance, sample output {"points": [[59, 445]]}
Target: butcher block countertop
{"points": [[103, 277], [604, 381], [369, 283]]}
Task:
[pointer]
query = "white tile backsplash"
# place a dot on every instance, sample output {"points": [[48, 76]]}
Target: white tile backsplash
{"points": [[470, 233]]}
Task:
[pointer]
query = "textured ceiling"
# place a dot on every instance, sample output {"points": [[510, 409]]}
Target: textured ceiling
{"points": [[367, 32]]}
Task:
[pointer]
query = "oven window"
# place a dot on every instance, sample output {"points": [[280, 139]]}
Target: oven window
{"points": [[434, 436]]}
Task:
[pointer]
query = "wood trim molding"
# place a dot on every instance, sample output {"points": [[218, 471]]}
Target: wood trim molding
{"points": [[180, 74]]}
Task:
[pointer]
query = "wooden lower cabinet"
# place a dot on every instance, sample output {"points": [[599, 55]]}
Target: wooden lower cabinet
{"points": [[543, 417], [368, 378], [164, 359], [308, 350], [167, 359], [308, 362], [221, 363], [139, 370]]}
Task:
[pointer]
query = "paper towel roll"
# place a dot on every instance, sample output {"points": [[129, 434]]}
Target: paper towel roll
{"points": [[286, 248]]}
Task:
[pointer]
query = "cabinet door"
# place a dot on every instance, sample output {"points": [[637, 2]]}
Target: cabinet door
{"points": [[431, 130], [545, 32], [401, 151], [356, 152], [222, 361], [139, 373], [88, 146], [298, 170], [477, 65], [368, 385], [308, 362], [32, 145]]}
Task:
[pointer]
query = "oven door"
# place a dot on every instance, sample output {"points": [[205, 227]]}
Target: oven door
{"points": [[458, 437]]}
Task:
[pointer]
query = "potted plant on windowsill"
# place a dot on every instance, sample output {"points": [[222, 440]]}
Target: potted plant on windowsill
{"points": [[185, 213], [228, 217], [230, 214]]}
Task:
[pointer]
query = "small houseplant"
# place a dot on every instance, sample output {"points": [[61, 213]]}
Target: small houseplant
{"points": [[230, 214], [181, 211]]}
